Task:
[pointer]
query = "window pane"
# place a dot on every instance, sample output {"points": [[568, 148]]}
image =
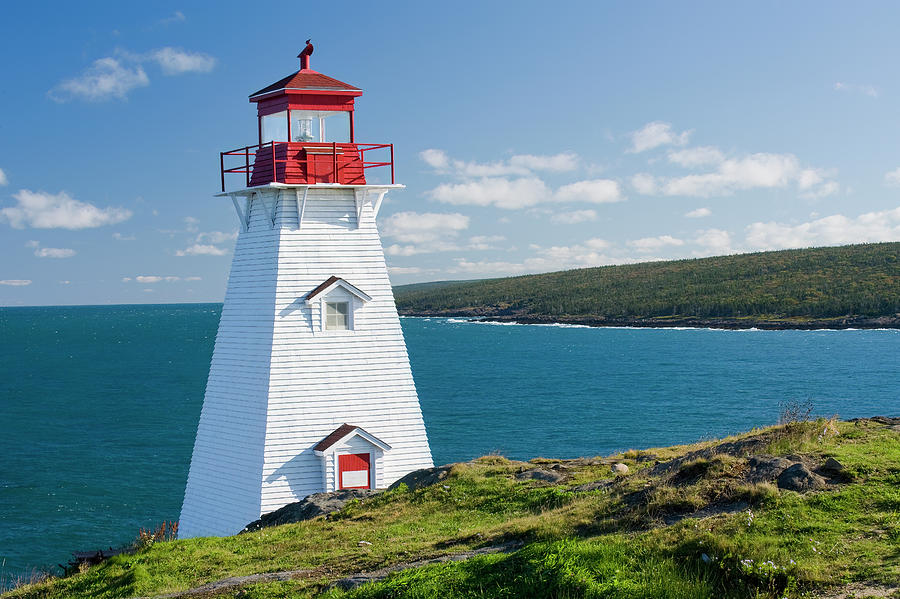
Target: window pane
{"points": [[320, 126], [337, 316], [274, 127]]}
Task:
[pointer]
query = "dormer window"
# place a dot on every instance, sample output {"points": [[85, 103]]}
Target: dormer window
{"points": [[334, 305], [337, 316]]}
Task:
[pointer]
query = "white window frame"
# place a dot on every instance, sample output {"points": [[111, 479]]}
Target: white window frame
{"points": [[352, 305]]}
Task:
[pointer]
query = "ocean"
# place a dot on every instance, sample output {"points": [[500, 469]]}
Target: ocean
{"points": [[99, 404]]}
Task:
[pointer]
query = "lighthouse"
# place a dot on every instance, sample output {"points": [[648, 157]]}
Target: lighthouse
{"points": [[310, 388]]}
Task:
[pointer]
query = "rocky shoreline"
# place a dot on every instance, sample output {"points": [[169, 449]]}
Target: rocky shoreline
{"points": [[743, 323]]}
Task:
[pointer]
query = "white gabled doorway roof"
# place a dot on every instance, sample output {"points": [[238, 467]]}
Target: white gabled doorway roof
{"points": [[343, 433], [331, 282]]}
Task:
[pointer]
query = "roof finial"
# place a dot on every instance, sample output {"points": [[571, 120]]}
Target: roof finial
{"points": [[304, 56]]}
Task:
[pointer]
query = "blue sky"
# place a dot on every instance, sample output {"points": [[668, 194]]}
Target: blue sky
{"points": [[531, 136]]}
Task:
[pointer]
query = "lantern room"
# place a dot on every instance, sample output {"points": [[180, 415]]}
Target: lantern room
{"points": [[306, 134]]}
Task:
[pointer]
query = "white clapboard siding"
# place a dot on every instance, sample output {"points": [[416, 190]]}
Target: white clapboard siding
{"points": [[279, 384]]}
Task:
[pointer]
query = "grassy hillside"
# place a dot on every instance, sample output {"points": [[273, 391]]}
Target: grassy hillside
{"points": [[820, 283], [699, 521]]}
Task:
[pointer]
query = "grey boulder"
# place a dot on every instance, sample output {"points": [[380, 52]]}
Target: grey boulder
{"points": [[419, 479], [308, 508], [543, 474], [800, 478]]}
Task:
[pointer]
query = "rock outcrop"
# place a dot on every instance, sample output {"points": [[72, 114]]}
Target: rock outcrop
{"points": [[317, 504]]}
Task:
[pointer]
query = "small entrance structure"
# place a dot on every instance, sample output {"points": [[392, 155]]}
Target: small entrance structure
{"points": [[353, 459]]}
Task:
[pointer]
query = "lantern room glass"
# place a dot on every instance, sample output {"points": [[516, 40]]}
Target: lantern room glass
{"points": [[320, 126], [274, 127]]}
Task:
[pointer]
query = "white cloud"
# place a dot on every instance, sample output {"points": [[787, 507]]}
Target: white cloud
{"points": [[825, 189], [49, 252], [644, 183], [585, 254], [489, 267], [514, 194], [113, 77], [415, 227], [836, 229], [15, 282], [714, 242], [698, 213], [556, 163], [809, 178], [574, 217], [159, 279], [175, 61], [106, 78], [65, 282], [868, 90], [430, 232], [892, 177], [652, 244], [3, 180], [423, 232], [484, 242], [759, 170], [500, 192], [699, 156], [54, 253], [41, 210], [436, 159], [121, 237], [217, 236], [518, 164], [190, 224], [199, 249], [597, 191], [421, 248], [405, 270], [655, 134], [512, 184], [177, 17]]}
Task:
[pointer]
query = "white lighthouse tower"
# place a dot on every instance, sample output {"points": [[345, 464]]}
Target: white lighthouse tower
{"points": [[310, 388]]}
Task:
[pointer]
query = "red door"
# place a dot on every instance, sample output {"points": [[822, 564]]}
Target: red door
{"points": [[353, 471]]}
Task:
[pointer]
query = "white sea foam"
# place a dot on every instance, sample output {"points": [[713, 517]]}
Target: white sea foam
{"points": [[564, 325]]}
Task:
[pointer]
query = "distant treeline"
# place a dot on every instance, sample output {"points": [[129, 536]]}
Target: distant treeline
{"points": [[829, 282]]}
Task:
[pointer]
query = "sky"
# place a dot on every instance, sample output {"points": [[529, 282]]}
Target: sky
{"points": [[531, 136]]}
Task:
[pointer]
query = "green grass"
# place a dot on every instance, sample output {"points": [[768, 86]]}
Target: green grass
{"points": [[590, 544], [789, 286]]}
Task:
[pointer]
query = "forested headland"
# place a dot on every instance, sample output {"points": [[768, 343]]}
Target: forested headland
{"points": [[854, 286]]}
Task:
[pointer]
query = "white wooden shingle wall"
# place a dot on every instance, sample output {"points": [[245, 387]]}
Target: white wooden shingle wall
{"points": [[322, 379], [223, 489], [278, 384]]}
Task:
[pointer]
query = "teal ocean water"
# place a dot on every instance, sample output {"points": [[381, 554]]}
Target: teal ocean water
{"points": [[99, 405]]}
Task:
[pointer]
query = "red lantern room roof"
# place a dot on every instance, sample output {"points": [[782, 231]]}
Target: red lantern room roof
{"points": [[307, 80]]}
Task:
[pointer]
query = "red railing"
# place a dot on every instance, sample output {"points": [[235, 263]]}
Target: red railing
{"points": [[248, 166]]}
